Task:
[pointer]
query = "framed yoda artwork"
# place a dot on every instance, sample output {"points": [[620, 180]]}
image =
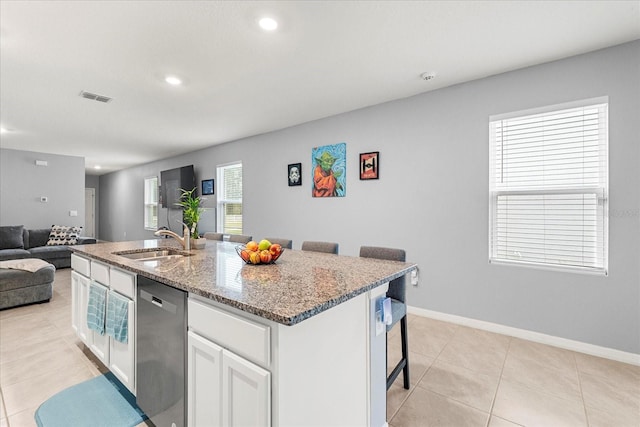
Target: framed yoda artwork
{"points": [[329, 170]]}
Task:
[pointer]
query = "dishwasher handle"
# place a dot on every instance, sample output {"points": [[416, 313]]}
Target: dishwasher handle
{"points": [[164, 305]]}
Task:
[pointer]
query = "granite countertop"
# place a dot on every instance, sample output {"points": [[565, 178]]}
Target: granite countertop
{"points": [[299, 285]]}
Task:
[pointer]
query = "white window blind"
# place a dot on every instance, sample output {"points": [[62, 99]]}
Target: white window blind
{"points": [[230, 198], [151, 203], [548, 187]]}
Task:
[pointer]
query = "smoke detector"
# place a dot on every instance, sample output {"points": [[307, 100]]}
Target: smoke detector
{"points": [[95, 97], [430, 75]]}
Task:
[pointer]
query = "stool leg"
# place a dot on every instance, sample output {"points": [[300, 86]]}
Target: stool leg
{"points": [[405, 351]]}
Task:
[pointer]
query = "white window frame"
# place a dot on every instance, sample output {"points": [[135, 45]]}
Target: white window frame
{"points": [[223, 200], [150, 201], [508, 192]]}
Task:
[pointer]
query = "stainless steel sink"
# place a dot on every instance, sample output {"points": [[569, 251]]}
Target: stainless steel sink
{"points": [[152, 254]]}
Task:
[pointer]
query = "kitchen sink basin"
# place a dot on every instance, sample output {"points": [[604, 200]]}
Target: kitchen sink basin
{"points": [[152, 254]]}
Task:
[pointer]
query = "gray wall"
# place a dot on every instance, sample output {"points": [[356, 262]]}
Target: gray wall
{"points": [[432, 196], [22, 183]]}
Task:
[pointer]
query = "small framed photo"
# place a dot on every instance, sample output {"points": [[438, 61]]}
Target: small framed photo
{"points": [[207, 187], [294, 174], [370, 165]]}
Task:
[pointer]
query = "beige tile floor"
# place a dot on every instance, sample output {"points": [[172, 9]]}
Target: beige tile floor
{"points": [[467, 377], [459, 376]]}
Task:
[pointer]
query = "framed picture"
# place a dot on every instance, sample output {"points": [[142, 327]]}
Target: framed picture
{"points": [[370, 165], [329, 170], [294, 174], [207, 187]]}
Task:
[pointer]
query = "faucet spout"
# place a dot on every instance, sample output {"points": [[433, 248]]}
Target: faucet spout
{"points": [[185, 241]]}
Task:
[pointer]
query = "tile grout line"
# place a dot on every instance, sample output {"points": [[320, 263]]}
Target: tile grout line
{"points": [[495, 393], [411, 390], [6, 415], [584, 404], [422, 376]]}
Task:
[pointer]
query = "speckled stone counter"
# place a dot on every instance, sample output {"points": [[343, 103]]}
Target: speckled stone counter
{"points": [[299, 285]]}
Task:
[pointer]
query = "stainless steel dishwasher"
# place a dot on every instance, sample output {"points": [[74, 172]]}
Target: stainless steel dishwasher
{"points": [[161, 390]]}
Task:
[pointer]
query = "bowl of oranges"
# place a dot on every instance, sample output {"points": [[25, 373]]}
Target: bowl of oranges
{"points": [[263, 252]]}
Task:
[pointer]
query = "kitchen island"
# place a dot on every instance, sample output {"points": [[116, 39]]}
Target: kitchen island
{"points": [[306, 325]]}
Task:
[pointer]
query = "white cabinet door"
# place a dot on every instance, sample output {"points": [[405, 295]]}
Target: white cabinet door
{"points": [[122, 360], [204, 379], [246, 392], [100, 346], [119, 357], [79, 301]]}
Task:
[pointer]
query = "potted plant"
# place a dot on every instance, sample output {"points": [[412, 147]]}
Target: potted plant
{"points": [[192, 209]]}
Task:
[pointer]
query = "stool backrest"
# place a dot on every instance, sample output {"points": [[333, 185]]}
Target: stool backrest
{"points": [[239, 238], [285, 243], [213, 236], [397, 287], [326, 247]]}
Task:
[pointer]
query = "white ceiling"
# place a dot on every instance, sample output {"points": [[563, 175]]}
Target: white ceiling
{"points": [[325, 58]]}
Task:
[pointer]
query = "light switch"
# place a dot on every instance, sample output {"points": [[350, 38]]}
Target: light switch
{"points": [[73, 213]]}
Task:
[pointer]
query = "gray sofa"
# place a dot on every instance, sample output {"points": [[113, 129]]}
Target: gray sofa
{"points": [[19, 287], [17, 242]]}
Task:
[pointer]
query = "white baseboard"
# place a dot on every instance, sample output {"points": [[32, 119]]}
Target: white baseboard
{"points": [[581, 347]]}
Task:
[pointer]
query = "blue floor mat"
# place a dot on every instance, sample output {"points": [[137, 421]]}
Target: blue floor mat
{"points": [[101, 401]]}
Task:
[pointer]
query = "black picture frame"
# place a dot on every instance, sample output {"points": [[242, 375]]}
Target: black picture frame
{"points": [[207, 187], [297, 173], [370, 165]]}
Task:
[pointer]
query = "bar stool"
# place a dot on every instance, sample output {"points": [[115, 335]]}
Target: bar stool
{"points": [[285, 243], [326, 247], [213, 236], [397, 293], [239, 238]]}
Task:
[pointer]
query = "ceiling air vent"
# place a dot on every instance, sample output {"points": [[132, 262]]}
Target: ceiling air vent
{"points": [[95, 97]]}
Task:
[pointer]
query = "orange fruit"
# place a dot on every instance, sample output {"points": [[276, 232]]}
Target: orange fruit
{"points": [[252, 246]]}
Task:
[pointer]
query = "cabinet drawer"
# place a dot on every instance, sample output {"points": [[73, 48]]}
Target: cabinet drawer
{"points": [[249, 339], [81, 265], [123, 282], [100, 272]]}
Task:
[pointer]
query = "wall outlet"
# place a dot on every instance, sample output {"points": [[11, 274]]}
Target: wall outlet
{"points": [[414, 277], [44, 199], [73, 213]]}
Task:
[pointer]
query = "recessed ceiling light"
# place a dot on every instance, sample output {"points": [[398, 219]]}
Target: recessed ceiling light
{"points": [[173, 80], [268, 24], [3, 130], [97, 167]]}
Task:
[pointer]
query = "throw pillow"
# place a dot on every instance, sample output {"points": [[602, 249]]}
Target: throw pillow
{"points": [[11, 237], [64, 235]]}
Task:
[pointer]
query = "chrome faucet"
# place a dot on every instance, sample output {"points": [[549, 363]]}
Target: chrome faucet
{"points": [[185, 240]]}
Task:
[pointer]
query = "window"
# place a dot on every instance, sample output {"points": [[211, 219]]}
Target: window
{"points": [[151, 203], [548, 187], [230, 198]]}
